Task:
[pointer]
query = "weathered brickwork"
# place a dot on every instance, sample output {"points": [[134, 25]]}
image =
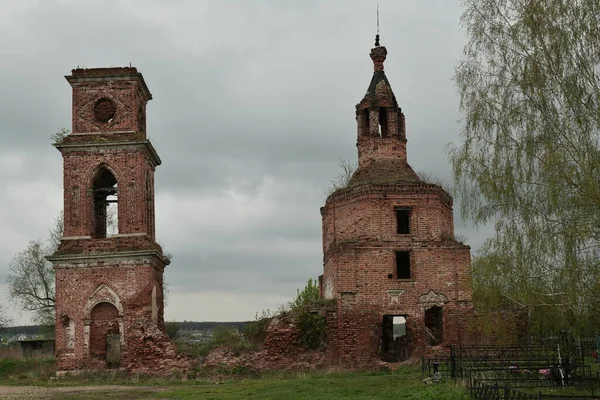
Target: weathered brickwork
{"points": [[411, 276], [281, 351], [109, 287], [126, 91]]}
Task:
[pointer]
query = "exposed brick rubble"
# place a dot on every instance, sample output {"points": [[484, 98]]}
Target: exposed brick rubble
{"points": [[281, 351], [109, 289], [266, 360]]}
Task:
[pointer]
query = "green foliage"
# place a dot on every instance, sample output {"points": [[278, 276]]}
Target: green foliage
{"points": [[59, 136], [311, 323], [228, 336], [255, 331], [405, 383], [529, 86], [172, 329], [22, 371], [223, 335], [198, 350], [308, 295], [313, 329]]}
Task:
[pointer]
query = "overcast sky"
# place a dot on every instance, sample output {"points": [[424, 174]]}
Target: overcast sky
{"points": [[253, 110]]}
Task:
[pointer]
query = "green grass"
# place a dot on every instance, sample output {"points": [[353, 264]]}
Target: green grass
{"points": [[325, 387], [402, 384], [22, 371]]}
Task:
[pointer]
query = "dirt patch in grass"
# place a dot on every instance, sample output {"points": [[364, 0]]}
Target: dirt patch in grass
{"points": [[80, 392]]}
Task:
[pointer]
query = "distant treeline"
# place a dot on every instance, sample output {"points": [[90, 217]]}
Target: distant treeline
{"points": [[28, 329], [208, 325]]}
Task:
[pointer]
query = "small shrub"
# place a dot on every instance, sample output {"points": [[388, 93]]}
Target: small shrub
{"points": [[342, 179], [308, 295], [59, 136], [313, 329], [255, 332], [172, 329], [230, 337], [194, 349]]}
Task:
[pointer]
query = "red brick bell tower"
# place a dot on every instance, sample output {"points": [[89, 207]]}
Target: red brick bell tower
{"points": [[109, 275], [400, 279]]}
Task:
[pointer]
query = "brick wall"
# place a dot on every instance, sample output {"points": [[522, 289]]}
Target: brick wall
{"points": [[360, 242], [103, 297], [123, 89]]}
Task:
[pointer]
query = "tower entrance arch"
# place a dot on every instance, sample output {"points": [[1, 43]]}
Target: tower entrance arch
{"points": [[105, 334]]}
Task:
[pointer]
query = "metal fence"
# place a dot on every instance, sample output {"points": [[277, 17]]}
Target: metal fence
{"points": [[552, 370]]}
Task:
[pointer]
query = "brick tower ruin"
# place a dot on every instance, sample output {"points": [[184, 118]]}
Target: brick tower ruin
{"points": [[109, 276], [391, 261]]}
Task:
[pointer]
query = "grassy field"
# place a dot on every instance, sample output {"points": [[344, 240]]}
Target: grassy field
{"points": [[404, 383]]}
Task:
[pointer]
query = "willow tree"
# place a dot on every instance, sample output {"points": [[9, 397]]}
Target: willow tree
{"points": [[529, 159]]}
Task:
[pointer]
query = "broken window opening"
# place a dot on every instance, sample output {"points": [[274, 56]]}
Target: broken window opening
{"points": [[112, 215], [394, 344], [105, 204], [149, 206], [434, 326], [403, 265], [403, 221], [367, 123], [383, 126]]}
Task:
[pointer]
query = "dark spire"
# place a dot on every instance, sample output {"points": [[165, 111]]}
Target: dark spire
{"points": [[378, 55], [377, 35]]}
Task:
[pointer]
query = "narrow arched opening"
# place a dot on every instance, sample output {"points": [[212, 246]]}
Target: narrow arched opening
{"points": [[434, 326], [383, 125], [105, 335], [106, 200], [366, 131]]}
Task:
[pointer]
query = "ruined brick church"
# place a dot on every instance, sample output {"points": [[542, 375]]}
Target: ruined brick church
{"points": [[391, 261], [109, 288], [400, 278]]}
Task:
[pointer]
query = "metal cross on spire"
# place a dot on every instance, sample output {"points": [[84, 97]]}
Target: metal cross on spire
{"points": [[377, 36]]}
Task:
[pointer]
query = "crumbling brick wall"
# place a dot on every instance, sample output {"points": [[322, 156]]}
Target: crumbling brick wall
{"points": [[281, 350], [89, 294], [360, 242]]}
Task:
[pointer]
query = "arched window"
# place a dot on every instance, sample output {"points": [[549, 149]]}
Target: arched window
{"points": [[383, 126], [105, 204]]}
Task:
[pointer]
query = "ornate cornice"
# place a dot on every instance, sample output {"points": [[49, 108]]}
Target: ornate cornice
{"points": [[433, 297], [144, 144]]}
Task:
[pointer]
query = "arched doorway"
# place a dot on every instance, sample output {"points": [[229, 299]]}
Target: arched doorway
{"points": [[105, 337]]}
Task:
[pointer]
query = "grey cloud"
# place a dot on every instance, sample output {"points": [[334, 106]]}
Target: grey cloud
{"points": [[253, 108]]}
